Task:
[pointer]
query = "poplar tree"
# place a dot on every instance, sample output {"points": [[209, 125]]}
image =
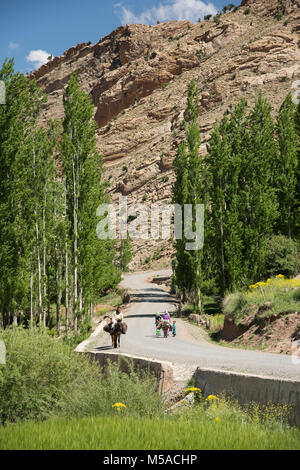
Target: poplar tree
{"points": [[17, 119], [91, 258], [188, 189], [297, 207], [224, 161], [259, 187], [287, 166], [126, 253]]}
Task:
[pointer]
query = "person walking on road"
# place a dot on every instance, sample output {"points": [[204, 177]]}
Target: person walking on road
{"points": [[167, 319], [157, 322], [174, 328]]}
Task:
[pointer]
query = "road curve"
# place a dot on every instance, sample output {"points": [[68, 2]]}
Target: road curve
{"points": [[182, 351]]}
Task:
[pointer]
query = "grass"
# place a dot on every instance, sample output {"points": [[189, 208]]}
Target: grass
{"points": [[113, 299], [53, 398], [43, 377], [280, 294], [189, 431], [212, 311]]}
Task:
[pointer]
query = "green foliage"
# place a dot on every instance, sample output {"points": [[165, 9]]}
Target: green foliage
{"points": [[280, 295], [189, 189], [213, 425], [43, 377], [50, 188], [242, 207], [282, 256], [126, 253], [287, 167]]}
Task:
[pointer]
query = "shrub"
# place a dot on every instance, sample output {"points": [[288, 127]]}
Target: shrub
{"points": [[37, 370], [279, 294], [43, 377], [209, 287], [282, 256], [217, 19], [234, 305], [207, 17]]}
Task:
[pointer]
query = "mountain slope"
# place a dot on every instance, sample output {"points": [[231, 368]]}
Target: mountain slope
{"points": [[138, 76]]}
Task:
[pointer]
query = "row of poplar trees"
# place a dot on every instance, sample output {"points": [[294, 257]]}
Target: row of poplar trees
{"points": [[249, 183], [50, 187]]}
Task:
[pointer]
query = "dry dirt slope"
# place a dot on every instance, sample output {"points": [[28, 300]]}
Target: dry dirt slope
{"points": [[138, 76]]}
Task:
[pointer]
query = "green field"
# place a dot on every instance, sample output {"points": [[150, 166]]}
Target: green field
{"points": [[128, 433], [53, 398]]}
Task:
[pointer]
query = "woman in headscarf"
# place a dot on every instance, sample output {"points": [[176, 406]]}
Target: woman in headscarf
{"points": [[167, 318]]}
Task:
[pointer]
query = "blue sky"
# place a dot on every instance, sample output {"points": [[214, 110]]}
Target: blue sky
{"points": [[30, 30]]}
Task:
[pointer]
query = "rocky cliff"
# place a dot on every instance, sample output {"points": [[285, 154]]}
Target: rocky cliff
{"points": [[138, 76]]}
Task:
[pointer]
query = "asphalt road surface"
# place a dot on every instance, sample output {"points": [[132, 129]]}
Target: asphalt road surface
{"points": [[184, 351]]}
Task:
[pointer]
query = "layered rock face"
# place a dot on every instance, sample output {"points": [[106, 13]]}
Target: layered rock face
{"points": [[138, 77]]}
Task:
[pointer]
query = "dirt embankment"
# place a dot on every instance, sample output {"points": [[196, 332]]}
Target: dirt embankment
{"points": [[274, 333]]}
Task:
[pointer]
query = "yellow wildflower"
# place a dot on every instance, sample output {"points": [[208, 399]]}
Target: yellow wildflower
{"points": [[280, 276], [212, 397], [217, 419], [118, 406], [192, 389]]}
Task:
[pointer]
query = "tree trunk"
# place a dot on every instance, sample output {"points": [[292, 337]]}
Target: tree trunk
{"points": [[44, 257], [67, 286], [75, 204], [31, 298], [59, 294], [37, 245]]}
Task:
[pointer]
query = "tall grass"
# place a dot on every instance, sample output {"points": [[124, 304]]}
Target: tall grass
{"points": [[128, 433], [43, 377], [280, 294]]}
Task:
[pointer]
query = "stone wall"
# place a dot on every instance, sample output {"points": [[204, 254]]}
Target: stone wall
{"points": [[163, 371], [246, 388]]}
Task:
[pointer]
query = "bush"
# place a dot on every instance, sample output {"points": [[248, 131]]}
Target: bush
{"points": [[209, 287], [43, 377], [234, 305], [280, 295], [282, 256]]}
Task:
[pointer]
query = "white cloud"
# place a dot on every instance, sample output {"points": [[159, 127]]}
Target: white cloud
{"points": [[169, 10], [13, 45], [38, 57]]}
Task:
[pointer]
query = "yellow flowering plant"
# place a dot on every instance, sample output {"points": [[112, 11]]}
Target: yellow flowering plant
{"points": [[118, 406]]}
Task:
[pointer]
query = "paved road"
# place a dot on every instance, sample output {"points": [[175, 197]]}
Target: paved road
{"points": [[182, 350]]}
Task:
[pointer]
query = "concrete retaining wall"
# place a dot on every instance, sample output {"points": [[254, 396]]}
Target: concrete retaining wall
{"points": [[246, 388], [163, 371]]}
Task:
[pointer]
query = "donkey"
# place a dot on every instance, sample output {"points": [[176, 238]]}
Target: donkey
{"points": [[116, 332], [165, 326]]}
